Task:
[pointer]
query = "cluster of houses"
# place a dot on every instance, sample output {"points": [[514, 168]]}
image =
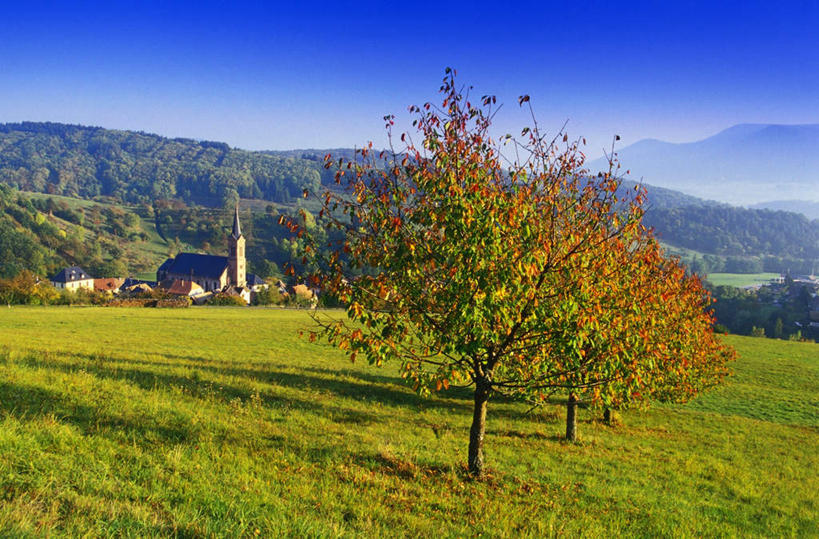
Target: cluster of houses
{"points": [[194, 275], [797, 285], [810, 283]]}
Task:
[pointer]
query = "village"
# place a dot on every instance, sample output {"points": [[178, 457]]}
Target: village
{"points": [[201, 278], [785, 307]]}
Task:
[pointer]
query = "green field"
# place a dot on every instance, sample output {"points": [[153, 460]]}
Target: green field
{"points": [[739, 279], [225, 422]]}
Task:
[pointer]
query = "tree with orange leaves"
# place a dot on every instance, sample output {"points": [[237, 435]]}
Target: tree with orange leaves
{"points": [[516, 277], [643, 331]]}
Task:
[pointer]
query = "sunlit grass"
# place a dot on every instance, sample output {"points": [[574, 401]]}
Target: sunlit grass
{"points": [[224, 421], [740, 279]]}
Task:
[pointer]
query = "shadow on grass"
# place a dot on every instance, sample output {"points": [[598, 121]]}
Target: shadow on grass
{"points": [[361, 386], [150, 380], [512, 433], [394, 466], [29, 401], [345, 383]]}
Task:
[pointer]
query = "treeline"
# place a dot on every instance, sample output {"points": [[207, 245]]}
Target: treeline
{"points": [[738, 232], [662, 198], [704, 264], [26, 288], [136, 167]]}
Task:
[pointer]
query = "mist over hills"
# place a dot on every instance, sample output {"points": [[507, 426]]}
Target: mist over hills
{"points": [[805, 207], [744, 164]]}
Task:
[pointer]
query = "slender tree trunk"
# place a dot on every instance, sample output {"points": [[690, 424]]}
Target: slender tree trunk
{"points": [[607, 419], [571, 418], [476, 433]]}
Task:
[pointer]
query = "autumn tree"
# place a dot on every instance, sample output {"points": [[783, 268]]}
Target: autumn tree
{"points": [[474, 269], [644, 331]]}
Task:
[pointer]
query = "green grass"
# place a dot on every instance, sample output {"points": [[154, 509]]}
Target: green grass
{"points": [[739, 279], [223, 421]]}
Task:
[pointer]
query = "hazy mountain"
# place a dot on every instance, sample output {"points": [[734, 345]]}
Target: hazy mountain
{"points": [[745, 164], [806, 208]]}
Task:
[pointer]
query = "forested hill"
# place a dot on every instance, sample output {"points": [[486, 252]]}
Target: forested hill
{"points": [[135, 167], [43, 234], [131, 167], [729, 230], [662, 198]]}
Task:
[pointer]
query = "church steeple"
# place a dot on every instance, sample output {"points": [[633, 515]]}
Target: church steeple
{"points": [[236, 261], [237, 229]]}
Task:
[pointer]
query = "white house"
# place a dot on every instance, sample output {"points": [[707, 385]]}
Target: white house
{"points": [[73, 278]]}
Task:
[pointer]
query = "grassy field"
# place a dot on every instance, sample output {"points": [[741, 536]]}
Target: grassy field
{"points": [[739, 279], [224, 422]]}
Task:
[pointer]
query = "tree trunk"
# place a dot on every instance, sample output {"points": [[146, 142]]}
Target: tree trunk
{"points": [[571, 418], [478, 429], [607, 416]]}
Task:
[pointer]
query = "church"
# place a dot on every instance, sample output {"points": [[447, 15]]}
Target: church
{"points": [[213, 273]]}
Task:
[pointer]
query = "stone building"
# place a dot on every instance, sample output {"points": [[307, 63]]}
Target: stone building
{"points": [[212, 272]]}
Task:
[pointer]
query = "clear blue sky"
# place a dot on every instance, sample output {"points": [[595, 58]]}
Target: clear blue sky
{"points": [[267, 76]]}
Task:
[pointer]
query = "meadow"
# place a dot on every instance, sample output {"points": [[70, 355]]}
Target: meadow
{"points": [[226, 422], [740, 279]]}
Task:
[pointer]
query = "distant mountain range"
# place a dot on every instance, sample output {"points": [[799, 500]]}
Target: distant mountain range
{"points": [[746, 164]]}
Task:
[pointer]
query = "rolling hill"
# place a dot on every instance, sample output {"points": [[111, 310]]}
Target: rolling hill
{"points": [[135, 167], [166, 182]]}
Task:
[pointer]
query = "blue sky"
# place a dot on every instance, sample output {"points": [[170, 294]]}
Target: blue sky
{"points": [[268, 76]]}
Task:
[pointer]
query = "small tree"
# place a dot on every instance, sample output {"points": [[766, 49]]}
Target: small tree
{"points": [[473, 270], [650, 335]]}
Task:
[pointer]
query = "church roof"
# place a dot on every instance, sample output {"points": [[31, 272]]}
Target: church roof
{"points": [[199, 265], [69, 275], [237, 229], [165, 265]]}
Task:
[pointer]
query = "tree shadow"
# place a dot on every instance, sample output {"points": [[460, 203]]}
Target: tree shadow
{"points": [[344, 383], [404, 469], [29, 401], [513, 433], [197, 388]]}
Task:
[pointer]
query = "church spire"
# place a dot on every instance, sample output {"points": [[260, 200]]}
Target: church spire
{"points": [[237, 229], [236, 258]]}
